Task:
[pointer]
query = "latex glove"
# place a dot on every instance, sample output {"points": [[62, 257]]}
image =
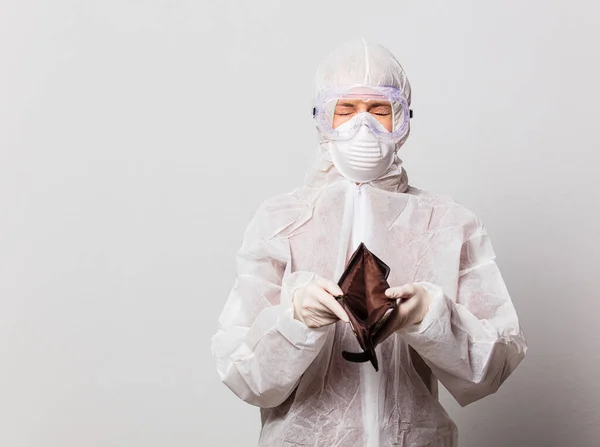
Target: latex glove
{"points": [[413, 304], [315, 305]]}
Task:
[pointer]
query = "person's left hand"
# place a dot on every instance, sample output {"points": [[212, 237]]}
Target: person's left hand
{"points": [[413, 304]]}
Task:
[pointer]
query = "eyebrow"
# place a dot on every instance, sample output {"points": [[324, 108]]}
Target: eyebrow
{"points": [[369, 103], [379, 104]]}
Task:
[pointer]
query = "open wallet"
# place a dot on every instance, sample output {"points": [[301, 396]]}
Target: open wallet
{"points": [[364, 283]]}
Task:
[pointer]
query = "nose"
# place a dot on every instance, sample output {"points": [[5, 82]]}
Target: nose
{"points": [[365, 131]]}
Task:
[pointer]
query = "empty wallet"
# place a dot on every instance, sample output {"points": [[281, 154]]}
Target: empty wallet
{"points": [[364, 282]]}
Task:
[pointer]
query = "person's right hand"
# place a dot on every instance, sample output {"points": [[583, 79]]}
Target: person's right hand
{"points": [[315, 305]]}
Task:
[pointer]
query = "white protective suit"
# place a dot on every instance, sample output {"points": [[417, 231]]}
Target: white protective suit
{"points": [[309, 395]]}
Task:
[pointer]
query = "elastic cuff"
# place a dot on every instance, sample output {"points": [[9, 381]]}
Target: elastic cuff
{"points": [[437, 308], [296, 332]]}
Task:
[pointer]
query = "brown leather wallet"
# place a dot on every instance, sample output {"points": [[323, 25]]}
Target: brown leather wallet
{"points": [[364, 282]]}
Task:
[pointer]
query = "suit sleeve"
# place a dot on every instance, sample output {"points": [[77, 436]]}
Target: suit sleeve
{"points": [[472, 342], [260, 350]]}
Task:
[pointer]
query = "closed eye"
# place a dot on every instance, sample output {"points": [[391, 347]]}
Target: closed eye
{"points": [[381, 111], [344, 111]]}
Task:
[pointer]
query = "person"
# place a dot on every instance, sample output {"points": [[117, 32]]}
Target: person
{"points": [[282, 331]]}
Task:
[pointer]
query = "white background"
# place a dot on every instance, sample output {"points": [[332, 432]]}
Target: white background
{"points": [[137, 138]]}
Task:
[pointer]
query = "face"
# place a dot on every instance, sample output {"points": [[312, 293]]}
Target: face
{"points": [[345, 109]]}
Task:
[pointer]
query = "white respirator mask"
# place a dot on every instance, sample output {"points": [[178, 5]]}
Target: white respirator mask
{"points": [[364, 157]]}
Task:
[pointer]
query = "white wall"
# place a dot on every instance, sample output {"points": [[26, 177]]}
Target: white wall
{"points": [[136, 139]]}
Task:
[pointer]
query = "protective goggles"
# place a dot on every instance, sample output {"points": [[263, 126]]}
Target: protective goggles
{"points": [[371, 105]]}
